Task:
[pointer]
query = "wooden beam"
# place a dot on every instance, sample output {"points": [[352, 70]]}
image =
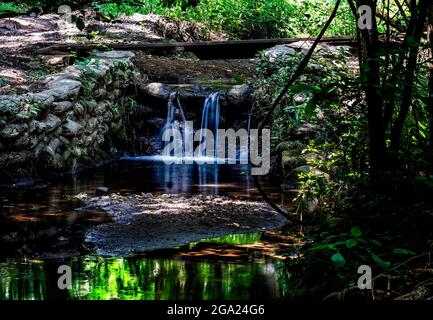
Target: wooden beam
{"points": [[231, 49]]}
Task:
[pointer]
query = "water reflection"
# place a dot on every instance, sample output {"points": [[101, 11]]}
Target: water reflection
{"points": [[145, 278], [38, 220]]}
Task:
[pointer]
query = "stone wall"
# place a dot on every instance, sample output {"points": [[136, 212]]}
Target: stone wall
{"points": [[76, 120]]}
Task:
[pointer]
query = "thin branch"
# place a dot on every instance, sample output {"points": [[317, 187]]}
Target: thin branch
{"points": [[300, 68]]}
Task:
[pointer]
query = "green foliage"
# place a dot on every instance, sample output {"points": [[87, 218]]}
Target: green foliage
{"points": [[127, 7], [132, 104], [321, 86], [88, 79], [124, 72], [36, 109], [243, 19], [13, 7]]}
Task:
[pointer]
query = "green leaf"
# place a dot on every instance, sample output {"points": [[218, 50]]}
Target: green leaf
{"points": [[356, 232], [384, 264], [321, 247], [338, 259], [403, 251], [316, 89], [422, 134], [376, 243], [350, 243]]}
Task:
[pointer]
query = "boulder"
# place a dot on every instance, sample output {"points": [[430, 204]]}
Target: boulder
{"points": [[71, 128], [99, 93], [292, 159], [279, 52], [239, 95], [65, 141], [62, 89], [45, 98], [92, 124], [61, 107], [157, 90], [79, 110], [12, 131], [322, 48], [55, 144], [10, 105], [51, 123], [116, 55], [101, 108]]}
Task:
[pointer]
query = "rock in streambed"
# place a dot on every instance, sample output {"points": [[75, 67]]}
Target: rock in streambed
{"points": [[148, 222]]}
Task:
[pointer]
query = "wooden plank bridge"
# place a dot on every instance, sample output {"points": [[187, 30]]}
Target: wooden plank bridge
{"points": [[205, 50]]}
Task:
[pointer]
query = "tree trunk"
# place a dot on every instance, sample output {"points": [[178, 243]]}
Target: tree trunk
{"points": [[371, 82], [409, 76], [430, 97]]}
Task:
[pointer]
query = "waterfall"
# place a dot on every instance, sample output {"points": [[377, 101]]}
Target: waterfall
{"points": [[171, 122], [211, 119]]}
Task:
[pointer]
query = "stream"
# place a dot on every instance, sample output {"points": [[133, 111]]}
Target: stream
{"points": [[237, 266]]}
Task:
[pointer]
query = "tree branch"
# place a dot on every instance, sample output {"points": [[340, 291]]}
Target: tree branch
{"points": [[301, 67]]}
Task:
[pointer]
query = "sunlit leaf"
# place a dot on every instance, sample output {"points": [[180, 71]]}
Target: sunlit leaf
{"points": [[384, 264], [356, 232], [403, 251], [338, 259], [350, 243]]}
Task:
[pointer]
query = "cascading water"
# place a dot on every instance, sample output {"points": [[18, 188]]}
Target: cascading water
{"points": [[210, 121], [178, 178], [171, 122], [209, 124]]}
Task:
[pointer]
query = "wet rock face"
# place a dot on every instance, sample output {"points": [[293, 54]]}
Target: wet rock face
{"points": [[151, 114], [69, 124], [240, 95], [235, 102]]}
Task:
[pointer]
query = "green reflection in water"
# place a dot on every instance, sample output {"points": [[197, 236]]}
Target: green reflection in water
{"points": [[96, 278], [138, 278], [236, 239], [154, 279], [22, 281]]}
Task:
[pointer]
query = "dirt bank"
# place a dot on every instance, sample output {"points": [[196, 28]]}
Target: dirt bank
{"points": [[22, 68], [178, 70], [147, 222]]}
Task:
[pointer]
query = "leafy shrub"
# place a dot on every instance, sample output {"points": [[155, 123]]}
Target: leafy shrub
{"points": [[244, 19]]}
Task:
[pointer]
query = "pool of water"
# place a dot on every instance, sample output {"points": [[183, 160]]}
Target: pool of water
{"points": [[233, 267], [147, 278]]}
